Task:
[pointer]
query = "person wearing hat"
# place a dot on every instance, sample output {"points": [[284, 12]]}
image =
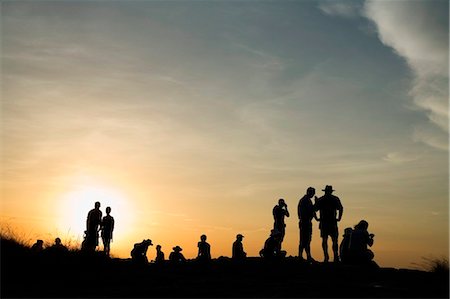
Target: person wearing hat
{"points": [[139, 252], [306, 213], [238, 249], [176, 256], [330, 210]]}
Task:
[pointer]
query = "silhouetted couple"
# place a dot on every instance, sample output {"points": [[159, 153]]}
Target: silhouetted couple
{"points": [[95, 224], [330, 210]]}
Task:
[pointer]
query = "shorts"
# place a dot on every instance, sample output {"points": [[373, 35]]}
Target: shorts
{"points": [[305, 232], [329, 229]]}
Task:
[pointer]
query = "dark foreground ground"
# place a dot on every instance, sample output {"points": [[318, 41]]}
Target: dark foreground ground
{"points": [[74, 275]]}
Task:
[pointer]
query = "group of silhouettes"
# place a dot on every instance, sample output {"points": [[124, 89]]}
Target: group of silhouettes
{"points": [[353, 248], [139, 252]]}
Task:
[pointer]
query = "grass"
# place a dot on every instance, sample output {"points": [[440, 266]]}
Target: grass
{"points": [[434, 264]]}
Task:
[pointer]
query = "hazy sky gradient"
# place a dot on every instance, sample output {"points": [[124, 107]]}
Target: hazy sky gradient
{"points": [[204, 113]]}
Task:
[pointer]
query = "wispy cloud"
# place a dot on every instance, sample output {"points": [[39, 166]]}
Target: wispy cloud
{"points": [[418, 32], [349, 9], [400, 157]]}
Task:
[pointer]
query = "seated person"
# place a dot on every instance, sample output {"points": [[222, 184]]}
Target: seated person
{"points": [[238, 249], [38, 246], [176, 256], [204, 249], [344, 248], [159, 255]]}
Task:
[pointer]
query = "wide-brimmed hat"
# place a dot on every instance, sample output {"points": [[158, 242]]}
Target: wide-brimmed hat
{"points": [[148, 241], [177, 248], [328, 188], [239, 235]]}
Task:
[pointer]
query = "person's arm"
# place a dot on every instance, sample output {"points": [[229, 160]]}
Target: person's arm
{"points": [[287, 212], [315, 207], [370, 240], [340, 210], [112, 227], [315, 215]]}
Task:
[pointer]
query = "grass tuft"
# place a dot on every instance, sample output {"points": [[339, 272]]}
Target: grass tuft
{"points": [[434, 264]]}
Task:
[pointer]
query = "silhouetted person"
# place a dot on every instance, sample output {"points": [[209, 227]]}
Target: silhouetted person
{"points": [[279, 212], [204, 250], [139, 252], [306, 213], [176, 256], [107, 228], [360, 239], [159, 255], [272, 246], [38, 246], [331, 211], [344, 248], [93, 222], [58, 248], [238, 249]]}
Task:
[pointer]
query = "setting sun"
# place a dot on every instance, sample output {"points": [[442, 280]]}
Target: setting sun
{"points": [[75, 205]]}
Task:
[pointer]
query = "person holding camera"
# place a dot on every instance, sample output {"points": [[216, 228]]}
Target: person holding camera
{"points": [[279, 212], [359, 242]]}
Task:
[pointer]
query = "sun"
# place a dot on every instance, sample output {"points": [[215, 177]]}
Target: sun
{"points": [[76, 204]]}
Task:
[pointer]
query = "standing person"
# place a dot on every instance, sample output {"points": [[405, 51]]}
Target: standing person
{"points": [[306, 213], [279, 212], [329, 205], [107, 228], [204, 249], [238, 249], [94, 219]]}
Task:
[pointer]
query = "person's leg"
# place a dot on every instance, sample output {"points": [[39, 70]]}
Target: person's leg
{"points": [[334, 239], [308, 244], [301, 245], [107, 246], [325, 247]]}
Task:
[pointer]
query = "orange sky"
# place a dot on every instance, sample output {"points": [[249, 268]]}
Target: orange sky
{"points": [[195, 117]]}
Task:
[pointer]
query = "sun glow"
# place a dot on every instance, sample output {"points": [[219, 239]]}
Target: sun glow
{"points": [[76, 204]]}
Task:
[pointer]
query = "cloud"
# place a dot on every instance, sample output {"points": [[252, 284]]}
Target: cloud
{"points": [[398, 157], [418, 32], [342, 9]]}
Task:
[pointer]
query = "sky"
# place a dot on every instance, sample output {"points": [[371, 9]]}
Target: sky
{"points": [[195, 117]]}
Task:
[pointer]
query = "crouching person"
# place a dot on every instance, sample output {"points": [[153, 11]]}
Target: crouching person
{"points": [[139, 252], [272, 247], [360, 240]]}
